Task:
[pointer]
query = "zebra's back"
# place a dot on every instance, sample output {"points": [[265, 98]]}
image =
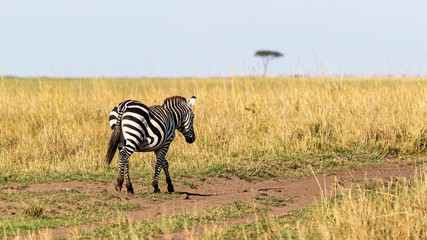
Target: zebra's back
{"points": [[143, 128]]}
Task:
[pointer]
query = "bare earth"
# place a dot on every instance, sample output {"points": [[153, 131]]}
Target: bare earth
{"points": [[215, 192]]}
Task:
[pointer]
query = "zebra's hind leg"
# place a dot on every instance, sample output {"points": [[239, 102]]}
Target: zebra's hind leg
{"points": [[128, 183], [120, 178], [157, 170], [165, 167], [124, 172], [119, 184], [125, 156]]}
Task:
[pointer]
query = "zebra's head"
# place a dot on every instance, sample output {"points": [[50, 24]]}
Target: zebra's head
{"points": [[186, 125]]}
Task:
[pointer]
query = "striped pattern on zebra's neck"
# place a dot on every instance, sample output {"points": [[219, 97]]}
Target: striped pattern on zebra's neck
{"points": [[175, 106]]}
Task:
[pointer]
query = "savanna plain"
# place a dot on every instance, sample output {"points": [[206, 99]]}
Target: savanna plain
{"points": [[275, 158]]}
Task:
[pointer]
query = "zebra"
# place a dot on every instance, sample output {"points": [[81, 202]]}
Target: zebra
{"points": [[138, 128]]}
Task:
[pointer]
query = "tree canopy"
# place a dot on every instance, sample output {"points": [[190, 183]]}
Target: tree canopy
{"points": [[267, 53], [267, 56]]}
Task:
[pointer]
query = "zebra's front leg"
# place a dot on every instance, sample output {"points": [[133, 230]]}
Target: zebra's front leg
{"points": [[165, 167]]}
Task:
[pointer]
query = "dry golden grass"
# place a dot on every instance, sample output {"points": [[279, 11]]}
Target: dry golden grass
{"points": [[397, 210], [62, 124], [393, 210]]}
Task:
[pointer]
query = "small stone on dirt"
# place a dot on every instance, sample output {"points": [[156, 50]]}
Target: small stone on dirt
{"points": [[184, 196], [245, 190]]}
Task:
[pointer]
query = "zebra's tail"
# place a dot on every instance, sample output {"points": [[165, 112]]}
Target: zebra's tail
{"points": [[112, 145], [117, 131]]}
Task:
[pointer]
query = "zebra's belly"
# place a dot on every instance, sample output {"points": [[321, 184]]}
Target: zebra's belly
{"points": [[146, 147]]}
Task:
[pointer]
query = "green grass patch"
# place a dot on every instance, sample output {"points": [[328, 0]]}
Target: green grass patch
{"points": [[280, 227], [273, 201], [49, 209], [269, 164], [123, 228]]}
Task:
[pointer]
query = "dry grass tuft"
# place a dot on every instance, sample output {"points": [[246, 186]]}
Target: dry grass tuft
{"points": [[395, 210]]}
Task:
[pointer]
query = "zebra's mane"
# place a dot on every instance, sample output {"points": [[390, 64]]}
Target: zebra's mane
{"points": [[174, 98]]}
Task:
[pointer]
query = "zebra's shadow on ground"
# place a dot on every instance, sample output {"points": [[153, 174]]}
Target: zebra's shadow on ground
{"points": [[195, 194]]}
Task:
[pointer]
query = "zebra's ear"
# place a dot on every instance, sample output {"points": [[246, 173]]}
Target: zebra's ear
{"points": [[192, 101]]}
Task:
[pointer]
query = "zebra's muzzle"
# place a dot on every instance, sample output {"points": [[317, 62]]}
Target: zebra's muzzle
{"points": [[190, 139]]}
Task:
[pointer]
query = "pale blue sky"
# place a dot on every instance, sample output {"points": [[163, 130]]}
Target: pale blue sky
{"points": [[88, 38]]}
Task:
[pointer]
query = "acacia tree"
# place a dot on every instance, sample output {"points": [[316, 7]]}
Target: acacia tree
{"points": [[267, 56]]}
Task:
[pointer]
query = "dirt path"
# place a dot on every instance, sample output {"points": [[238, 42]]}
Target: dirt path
{"points": [[304, 191], [215, 192]]}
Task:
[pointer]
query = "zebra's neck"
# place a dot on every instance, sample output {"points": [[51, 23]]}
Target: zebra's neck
{"points": [[176, 106], [175, 111], [175, 116]]}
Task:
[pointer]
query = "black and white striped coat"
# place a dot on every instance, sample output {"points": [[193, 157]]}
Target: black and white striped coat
{"points": [[138, 128]]}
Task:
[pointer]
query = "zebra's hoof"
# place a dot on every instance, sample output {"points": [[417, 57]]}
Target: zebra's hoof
{"points": [[129, 187], [171, 189], [119, 184]]}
